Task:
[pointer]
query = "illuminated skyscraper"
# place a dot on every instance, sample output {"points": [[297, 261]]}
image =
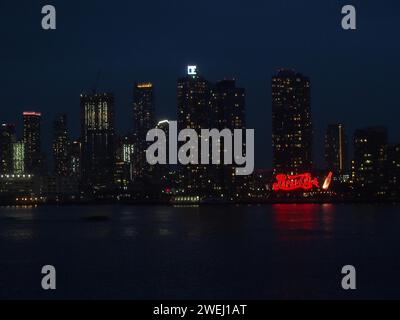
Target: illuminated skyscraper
{"points": [[75, 158], [128, 150], [18, 157], [164, 126], [292, 130], [393, 170], [123, 163], [161, 172], [370, 160], [32, 140], [228, 105], [7, 138], [60, 146], [143, 121], [97, 136], [336, 149], [194, 112], [227, 112], [193, 102]]}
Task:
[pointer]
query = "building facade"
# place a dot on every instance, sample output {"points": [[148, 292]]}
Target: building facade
{"points": [[292, 129], [194, 112], [393, 171], [123, 162], [143, 121], [19, 157], [7, 139], [227, 102], [34, 160], [61, 146], [336, 149], [98, 140], [75, 158], [370, 160]]}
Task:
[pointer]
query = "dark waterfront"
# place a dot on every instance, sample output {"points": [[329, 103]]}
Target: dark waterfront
{"points": [[211, 252]]}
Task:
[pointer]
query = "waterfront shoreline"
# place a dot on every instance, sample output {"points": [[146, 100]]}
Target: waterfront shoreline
{"points": [[211, 204]]}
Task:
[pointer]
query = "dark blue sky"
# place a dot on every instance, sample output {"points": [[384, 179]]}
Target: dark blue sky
{"points": [[355, 75]]}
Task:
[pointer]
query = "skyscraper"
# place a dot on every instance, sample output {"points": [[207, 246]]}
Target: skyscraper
{"points": [[393, 170], [143, 121], [370, 156], [123, 163], [7, 138], [161, 172], [97, 136], [75, 158], [194, 112], [32, 140], [336, 148], [193, 102], [227, 103], [292, 130], [19, 153], [164, 126], [60, 146]]}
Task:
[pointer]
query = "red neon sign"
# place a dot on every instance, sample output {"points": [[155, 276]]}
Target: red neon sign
{"points": [[305, 181]]}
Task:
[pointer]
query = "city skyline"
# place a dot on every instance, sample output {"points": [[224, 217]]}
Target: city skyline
{"points": [[103, 164], [318, 145], [354, 73], [199, 150]]}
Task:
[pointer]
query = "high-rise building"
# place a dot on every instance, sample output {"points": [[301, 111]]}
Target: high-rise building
{"points": [[292, 130], [164, 126], [393, 170], [98, 140], [19, 153], [336, 149], [194, 112], [123, 163], [161, 173], [32, 140], [143, 121], [370, 156], [128, 150], [75, 158], [227, 103], [193, 102], [60, 146], [7, 138]]}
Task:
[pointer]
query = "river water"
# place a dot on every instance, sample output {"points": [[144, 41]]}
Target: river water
{"points": [[210, 252]]}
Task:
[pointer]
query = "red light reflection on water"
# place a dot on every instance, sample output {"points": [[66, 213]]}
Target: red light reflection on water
{"points": [[302, 221], [295, 216]]}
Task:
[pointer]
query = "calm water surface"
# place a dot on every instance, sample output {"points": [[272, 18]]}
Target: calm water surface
{"points": [[232, 252]]}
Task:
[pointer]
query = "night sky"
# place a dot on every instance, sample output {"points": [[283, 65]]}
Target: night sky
{"points": [[355, 75]]}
